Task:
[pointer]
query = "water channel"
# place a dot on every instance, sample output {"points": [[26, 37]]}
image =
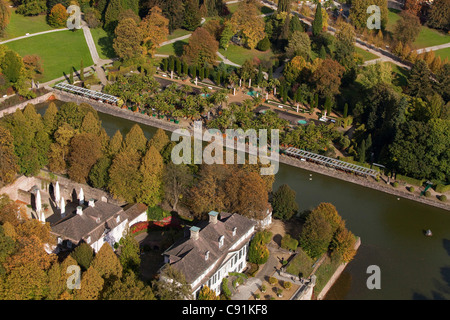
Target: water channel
{"points": [[412, 265]]}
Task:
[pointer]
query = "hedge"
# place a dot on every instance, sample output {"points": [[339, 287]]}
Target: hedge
{"points": [[440, 188], [409, 180], [226, 291]]}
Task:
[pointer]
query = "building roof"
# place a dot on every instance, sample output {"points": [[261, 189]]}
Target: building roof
{"points": [[134, 210], [188, 255], [93, 222]]}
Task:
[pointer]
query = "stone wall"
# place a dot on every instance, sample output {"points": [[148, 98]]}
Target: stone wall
{"points": [[22, 105]]}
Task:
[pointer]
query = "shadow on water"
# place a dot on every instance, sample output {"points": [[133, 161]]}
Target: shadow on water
{"points": [[446, 244]]}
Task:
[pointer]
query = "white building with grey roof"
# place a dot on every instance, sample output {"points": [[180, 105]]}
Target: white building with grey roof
{"points": [[212, 250]]}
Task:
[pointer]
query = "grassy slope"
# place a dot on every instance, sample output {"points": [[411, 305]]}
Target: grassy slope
{"points": [[59, 51], [365, 54], [239, 55], [20, 25]]}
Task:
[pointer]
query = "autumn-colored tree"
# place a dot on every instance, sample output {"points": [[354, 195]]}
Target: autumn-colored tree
{"points": [[58, 277], [115, 144], [151, 170], [84, 153], [106, 263], [10, 211], [258, 252], [208, 193], [124, 175], [207, 294], [246, 194], [327, 78], [159, 140], [439, 15], [127, 43], [91, 285], [58, 16], [32, 66], [343, 243], [135, 139], [5, 15], [202, 48], [128, 288], [176, 179], [90, 124], [294, 68], [25, 282], [8, 159], [247, 20], [407, 28], [155, 29]]}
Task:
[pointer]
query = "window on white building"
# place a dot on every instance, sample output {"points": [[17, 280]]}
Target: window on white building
{"points": [[234, 231], [221, 239], [207, 255], [118, 219]]}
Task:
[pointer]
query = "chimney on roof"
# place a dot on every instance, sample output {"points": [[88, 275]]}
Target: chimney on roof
{"points": [[91, 203], [213, 215], [80, 210], [194, 232]]}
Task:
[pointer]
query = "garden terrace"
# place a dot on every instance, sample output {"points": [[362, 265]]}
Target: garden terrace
{"points": [[87, 93], [330, 162]]}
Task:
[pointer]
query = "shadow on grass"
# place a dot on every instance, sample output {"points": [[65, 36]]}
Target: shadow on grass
{"points": [[178, 47], [106, 46]]}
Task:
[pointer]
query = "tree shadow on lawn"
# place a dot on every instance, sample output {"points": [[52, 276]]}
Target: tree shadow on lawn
{"points": [[178, 47], [106, 46]]}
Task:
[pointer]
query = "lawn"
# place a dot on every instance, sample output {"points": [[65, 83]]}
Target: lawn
{"points": [[175, 48], [103, 43], [301, 264], [365, 54], [443, 53], [239, 54], [59, 51], [20, 25], [178, 33], [427, 37]]}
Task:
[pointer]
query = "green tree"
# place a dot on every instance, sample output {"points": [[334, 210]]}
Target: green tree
{"points": [[135, 139], [129, 254], [128, 288], [407, 28], [419, 83], [299, 45], [439, 15], [8, 159], [83, 255], [11, 66], [258, 252], [316, 234], [317, 22], [192, 15], [283, 203], [98, 176], [5, 15], [172, 285], [31, 7]]}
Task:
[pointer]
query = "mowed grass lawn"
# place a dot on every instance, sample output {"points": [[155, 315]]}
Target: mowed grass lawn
{"points": [[20, 25], [104, 43], [59, 52], [443, 53], [366, 54], [427, 37], [239, 54], [175, 49]]}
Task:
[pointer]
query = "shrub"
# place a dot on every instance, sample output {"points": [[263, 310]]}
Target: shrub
{"points": [[442, 188], [253, 269], [287, 285], [257, 296], [263, 288], [264, 44], [289, 243], [443, 198], [411, 189], [226, 291], [409, 180], [157, 213], [395, 184], [427, 193]]}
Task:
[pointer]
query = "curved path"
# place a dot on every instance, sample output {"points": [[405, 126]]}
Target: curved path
{"points": [[32, 35]]}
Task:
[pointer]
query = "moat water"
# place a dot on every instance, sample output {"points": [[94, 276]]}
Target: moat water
{"points": [[412, 265]]}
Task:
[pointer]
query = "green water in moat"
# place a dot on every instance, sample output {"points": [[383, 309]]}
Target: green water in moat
{"points": [[412, 266]]}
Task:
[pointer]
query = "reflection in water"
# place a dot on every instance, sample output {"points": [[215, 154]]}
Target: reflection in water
{"points": [[412, 265]]}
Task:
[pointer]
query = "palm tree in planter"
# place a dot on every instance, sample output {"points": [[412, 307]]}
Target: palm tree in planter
{"points": [[177, 114], [263, 288], [274, 83], [279, 293], [233, 80]]}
